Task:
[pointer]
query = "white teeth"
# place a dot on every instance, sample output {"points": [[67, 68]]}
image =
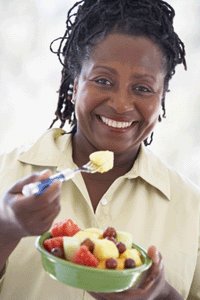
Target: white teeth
{"points": [[115, 124]]}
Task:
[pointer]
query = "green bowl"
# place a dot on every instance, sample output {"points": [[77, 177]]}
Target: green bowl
{"points": [[88, 278]]}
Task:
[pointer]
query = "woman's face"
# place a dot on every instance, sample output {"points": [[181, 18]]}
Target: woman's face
{"points": [[118, 93]]}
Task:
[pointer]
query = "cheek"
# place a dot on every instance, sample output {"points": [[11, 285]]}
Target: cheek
{"points": [[87, 99], [80, 102], [84, 106], [154, 110], [79, 109], [150, 111]]}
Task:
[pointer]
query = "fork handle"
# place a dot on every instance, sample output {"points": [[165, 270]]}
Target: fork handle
{"points": [[37, 188]]}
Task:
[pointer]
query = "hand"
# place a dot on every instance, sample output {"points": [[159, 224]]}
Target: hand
{"points": [[153, 287], [26, 216]]}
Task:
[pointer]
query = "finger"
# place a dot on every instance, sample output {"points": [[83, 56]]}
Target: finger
{"points": [[47, 220], [50, 213], [99, 296], [37, 203], [49, 195], [156, 270], [36, 222], [17, 187], [136, 294], [153, 253]]}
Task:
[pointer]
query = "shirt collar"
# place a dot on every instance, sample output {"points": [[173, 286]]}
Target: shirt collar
{"points": [[54, 149], [152, 170]]}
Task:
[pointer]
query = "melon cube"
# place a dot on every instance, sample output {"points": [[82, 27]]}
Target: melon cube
{"points": [[125, 238], [70, 245]]}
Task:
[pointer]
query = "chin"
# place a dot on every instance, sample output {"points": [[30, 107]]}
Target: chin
{"points": [[118, 148]]}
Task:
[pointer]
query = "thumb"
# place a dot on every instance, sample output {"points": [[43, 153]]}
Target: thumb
{"points": [[18, 186], [153, 253]]}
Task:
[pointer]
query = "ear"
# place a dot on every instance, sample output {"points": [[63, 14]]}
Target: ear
{"points": [[75, 88]]}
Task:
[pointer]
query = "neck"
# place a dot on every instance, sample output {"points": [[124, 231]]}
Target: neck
{"points": [[98, 183], [123, 162]]}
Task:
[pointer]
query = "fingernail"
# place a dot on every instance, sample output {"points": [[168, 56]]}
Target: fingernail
{"points": [[157, 256], [44, 171]]}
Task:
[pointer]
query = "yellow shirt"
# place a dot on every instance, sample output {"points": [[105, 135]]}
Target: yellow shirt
{"points": [[151, 201]]}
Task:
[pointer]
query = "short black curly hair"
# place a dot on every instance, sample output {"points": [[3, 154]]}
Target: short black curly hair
{"points": [[89, 21]]}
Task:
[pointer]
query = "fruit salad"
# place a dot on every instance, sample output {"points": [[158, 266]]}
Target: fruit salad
{"points": [[93, 247]]}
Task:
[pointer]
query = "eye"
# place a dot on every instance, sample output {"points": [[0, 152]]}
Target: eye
{"points": [[142, 89], [103, 81]]}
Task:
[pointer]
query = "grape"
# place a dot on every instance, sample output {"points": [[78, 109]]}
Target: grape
{"points": [[88, 243], [110, 238], [121, 247], [129, 263], [110, 232], [57, 252], [111, 263]]}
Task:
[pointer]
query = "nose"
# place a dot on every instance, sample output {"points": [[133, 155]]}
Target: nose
{"points": [[121, 101]]}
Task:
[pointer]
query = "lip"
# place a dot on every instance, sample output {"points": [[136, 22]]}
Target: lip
{"points": [[117, 124]]}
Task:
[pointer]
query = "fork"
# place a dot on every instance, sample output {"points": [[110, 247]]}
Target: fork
{"points": [[37, 188]]}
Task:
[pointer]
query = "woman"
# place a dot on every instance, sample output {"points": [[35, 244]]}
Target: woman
{"points": [[118, 59]]}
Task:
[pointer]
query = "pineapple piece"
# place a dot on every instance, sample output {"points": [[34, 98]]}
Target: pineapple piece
{"points": [[134, 254], [87, 234], [104, 249], [120, 263], [102, 160], [102, 264], [70, 245], [125, 238]]}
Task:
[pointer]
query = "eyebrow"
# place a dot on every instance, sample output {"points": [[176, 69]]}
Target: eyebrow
{"points": [[105, 67], [135, 75], [140, 76]]}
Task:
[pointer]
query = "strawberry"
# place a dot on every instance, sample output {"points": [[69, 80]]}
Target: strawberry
{"points": [[64, 228], [84, 257], [55, 242]]}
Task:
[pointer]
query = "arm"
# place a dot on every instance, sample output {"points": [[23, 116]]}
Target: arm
{"points": [[6, 248], [22, 216], [172, 294], [194, 293]]}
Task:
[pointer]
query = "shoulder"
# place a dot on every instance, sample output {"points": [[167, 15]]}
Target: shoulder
{"points": [[44, 152], [47, 149], [51, 138], [7, 159], [180, 186]]}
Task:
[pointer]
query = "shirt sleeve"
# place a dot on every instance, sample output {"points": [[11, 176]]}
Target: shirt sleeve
{"points": [[2, 276], [195, 287]]}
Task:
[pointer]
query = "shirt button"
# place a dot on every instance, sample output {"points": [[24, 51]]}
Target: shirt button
{"points": [[104, 201]]}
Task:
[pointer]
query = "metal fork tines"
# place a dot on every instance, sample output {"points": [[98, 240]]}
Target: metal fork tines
{"points": [[89, 168]]}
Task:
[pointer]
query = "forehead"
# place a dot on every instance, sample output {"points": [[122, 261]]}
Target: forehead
{"points": [[134, 51]]}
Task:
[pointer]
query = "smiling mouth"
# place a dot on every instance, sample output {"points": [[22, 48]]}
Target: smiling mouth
{"points": [[114, 123]]}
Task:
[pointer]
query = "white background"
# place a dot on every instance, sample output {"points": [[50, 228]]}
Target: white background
{"points": [[30, 77]]}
